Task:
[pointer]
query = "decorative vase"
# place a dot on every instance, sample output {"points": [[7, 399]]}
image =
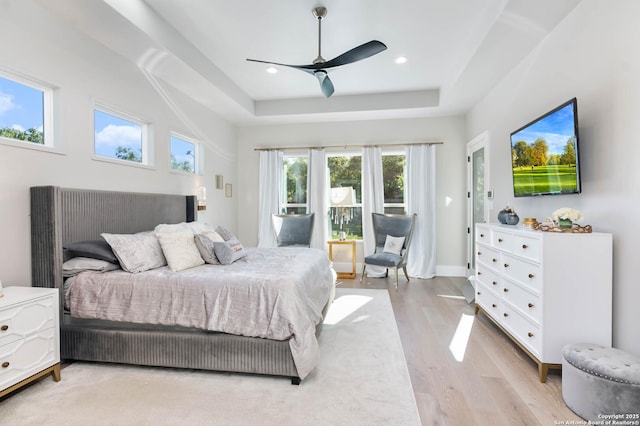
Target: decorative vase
{"points": [[565, 223], [512, 219], [502, 215]]}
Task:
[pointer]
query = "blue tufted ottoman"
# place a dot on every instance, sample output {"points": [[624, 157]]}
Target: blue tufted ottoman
{"points": [[598, 382]]}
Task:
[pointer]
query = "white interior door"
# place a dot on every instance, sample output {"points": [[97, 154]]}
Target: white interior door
{"points": [[478, 192]]}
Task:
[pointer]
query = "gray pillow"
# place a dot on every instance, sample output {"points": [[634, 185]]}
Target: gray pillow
{"points": [[206, 246], [224, 233], [95, 249], [229, 251]]}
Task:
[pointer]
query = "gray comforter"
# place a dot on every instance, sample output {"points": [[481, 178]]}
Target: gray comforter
{"points": [[274, 293]]}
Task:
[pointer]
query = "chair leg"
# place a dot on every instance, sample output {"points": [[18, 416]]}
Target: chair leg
{"points": [[396, 269], [404, 268], [364, 266]]}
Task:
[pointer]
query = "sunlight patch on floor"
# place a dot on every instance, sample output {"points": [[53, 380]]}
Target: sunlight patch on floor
{"points": [[344, 306], [451, 296], [458, 345]]}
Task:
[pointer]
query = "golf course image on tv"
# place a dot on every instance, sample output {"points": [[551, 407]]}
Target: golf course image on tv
{"points": [[544, 154]]}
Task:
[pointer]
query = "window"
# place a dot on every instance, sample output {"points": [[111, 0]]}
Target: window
{"points": [[393, 176], [26, 108], [119, 136], [295, 184], [346, 171], [184, 154]]}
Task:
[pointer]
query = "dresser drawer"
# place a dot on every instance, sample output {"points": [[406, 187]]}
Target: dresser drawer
{"points": [[528, 247], [525, 301], [503, 241], [25, 319], [488, 256], [489, 278], [483, 235], [525, 273], [489, 301], [523, 329], [21, 359]]}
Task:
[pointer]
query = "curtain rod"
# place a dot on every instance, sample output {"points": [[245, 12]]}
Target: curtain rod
{"points": [[299, 148]]}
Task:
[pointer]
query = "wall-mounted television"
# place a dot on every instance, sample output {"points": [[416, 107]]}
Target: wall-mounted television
{"points": [[545, 154]]}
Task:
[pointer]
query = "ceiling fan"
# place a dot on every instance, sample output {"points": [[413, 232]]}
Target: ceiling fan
{"points": [[319, 66]]}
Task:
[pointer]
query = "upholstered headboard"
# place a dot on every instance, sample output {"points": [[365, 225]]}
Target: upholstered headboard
{"points": [[61, 216]]}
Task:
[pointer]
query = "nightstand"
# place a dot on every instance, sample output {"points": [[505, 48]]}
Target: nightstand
{"points": [[29, 336], [351, 243]]}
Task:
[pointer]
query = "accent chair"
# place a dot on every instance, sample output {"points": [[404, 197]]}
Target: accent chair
{"points": [[293, 229]]}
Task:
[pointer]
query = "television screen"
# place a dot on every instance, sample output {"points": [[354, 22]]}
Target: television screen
{"points": [[544, 154]]}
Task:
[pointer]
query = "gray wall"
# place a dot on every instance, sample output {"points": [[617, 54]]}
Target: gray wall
{"points": [[591, 55]]}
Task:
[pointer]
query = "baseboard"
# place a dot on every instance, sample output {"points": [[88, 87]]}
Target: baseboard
{"points": [[451, 271]]}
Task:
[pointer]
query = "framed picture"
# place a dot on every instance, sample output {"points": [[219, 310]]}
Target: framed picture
{"points": [[219, 181], [228, 190]]}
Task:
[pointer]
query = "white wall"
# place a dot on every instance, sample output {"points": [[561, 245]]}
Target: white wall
{"points": [[41, 47], [450, 173], [592, 55]]}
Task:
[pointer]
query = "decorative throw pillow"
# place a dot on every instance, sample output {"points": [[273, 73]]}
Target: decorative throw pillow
{"points": [[224, 233], [193, 227], [180, 250], [229, 251], [136, 252], [95, 249], [206, 247], [393, 245], [80, 264]]}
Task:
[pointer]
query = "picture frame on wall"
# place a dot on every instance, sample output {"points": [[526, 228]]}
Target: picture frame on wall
{"points": [[219, 182], [228, 190]]}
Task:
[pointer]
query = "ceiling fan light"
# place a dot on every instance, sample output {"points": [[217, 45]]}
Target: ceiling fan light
{"points": [[401, 60], [272, 70]]}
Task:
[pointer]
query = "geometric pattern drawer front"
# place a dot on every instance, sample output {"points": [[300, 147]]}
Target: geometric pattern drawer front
{"points": [[21, 359], [26, 319]]}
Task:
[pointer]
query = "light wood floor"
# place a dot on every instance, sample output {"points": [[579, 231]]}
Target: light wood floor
{"points": [[494, 384]]}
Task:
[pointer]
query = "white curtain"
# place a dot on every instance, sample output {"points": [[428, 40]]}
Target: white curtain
{"points": [[317, 191], [372, 201], [269, 196], [421, 199]]}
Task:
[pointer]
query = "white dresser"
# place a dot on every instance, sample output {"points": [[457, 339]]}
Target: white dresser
{"points": [[29, 336], [545, 289]]}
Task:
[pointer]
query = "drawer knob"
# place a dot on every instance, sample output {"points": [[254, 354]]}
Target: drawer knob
{"points": [[494, 282], [479, 293], [506, 265], [499, 240], [4, 327], [479, 253], [481, 235], [479, 273], [531, 275], [530, 305], [505, 314], [494, 259], [5, 364], [506, 290], [493, 305], [524, 246], [530, 334]]}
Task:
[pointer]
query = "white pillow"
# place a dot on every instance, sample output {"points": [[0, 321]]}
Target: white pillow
{"points": [[393, 245], [180, 250], [136, 252], [193, 227]]}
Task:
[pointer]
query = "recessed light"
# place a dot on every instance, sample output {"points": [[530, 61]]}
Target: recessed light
{"points": [[272, 70], [400, 60]]}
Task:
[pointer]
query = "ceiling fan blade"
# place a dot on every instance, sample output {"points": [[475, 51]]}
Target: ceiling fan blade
{"points": [[356, 54], [326, 86]]}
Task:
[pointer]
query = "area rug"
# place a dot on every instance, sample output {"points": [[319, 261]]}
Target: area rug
{"points": [[362, 379]]}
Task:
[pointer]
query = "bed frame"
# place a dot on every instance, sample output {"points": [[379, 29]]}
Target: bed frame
{"points": [[61, 216]]}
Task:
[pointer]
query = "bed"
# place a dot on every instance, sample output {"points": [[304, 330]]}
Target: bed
{"points": [[61, 216]]}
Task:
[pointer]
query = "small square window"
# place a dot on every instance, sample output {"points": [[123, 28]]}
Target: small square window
{"points": [[119, 137], [184, 154], [25, 111]]}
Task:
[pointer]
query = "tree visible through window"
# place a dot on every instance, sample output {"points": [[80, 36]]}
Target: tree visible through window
{"points": [[22, 112], [117, 137], [183, 155], [295, 182]]}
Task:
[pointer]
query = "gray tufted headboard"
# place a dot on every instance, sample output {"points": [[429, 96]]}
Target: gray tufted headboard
{"points": [[61, 216]]}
